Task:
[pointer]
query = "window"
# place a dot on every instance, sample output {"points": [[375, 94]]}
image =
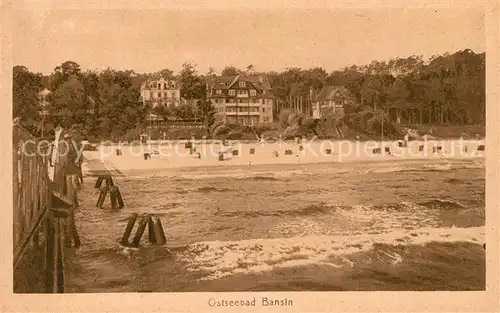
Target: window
{"points": [[227, 100], [266, 119], [232, 92], [231, 100], [242, 84], [253, 92], [165, 86], [218, 91], [159, 86], [264, 110], [216, 100]]}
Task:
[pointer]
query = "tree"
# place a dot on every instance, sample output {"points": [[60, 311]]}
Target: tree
{"points": [[284, 116], [250, 69], [206, 110], [26, 86], [121, 109], [63, 72], [231, 71], [192, 86], [398, 94], [68, 101]]}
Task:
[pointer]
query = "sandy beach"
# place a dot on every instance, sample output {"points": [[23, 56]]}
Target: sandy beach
{"points": [[168, 155]]}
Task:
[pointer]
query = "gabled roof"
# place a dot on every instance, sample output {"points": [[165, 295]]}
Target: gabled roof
{"points": [[148, 83], [259, 82]]}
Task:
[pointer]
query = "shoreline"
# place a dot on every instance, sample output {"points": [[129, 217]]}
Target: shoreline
{"points": [[256, 166]]}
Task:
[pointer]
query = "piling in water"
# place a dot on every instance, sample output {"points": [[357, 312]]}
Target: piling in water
{"points": [[119, 198], [130, 225], [102, 197], [140, 231], [112, 195], [159, 232], [151, 231]]}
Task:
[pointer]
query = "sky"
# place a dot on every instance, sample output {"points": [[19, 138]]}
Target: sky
{"points": [[270, 39]]}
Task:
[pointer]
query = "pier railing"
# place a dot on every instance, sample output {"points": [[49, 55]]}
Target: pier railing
{"points": [[39, 215]]}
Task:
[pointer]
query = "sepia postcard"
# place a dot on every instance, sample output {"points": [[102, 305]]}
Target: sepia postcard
{"points": [[241, 156]]}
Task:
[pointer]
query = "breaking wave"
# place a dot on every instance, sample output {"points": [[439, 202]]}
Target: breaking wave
{"points": [[217, 259], [325, 208], [204, 189]]}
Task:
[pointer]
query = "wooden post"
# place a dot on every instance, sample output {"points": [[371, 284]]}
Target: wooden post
{"points": [[58, 286], [98, 183], [159, 232], [151, 231], [119, 198], [49, 253], [74, 231], [70, 226], [112, 195], [128, 229], [102, 197], [140, 230]]}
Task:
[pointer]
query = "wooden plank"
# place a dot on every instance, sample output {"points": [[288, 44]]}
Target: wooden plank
{"points": [[102, 168], [32, 209]]}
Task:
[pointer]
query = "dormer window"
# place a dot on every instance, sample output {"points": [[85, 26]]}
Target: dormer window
{"points": [[242, 84], [218, 91]]}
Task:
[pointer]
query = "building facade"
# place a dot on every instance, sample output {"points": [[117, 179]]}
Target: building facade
{"points": [[161, 92], [336, 98], [241, 99]]}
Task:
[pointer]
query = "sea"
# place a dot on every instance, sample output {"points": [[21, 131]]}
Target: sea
{"points": [[371, 226]]}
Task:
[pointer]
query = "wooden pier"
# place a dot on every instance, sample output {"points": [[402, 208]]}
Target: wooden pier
{"points": [[43, 220]]}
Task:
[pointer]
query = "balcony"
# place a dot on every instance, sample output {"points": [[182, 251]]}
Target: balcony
{"points": [[242, 113], [241, 105]]}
